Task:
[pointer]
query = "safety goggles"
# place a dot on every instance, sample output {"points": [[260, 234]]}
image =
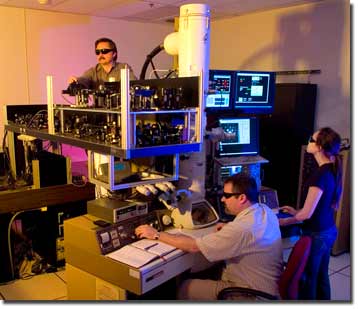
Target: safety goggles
{"points": [[103, 51], [228, 195], [311, 140]]}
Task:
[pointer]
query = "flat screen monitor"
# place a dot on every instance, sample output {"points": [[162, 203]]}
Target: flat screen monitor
{"points": [[254, 92], [244, 140], [220, 90]]}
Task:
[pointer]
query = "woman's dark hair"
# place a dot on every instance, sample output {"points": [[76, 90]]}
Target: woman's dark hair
{"points": [[330, 141], [245, 184], [111, 44]]}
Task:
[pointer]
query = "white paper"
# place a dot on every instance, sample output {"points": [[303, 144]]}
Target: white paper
{"points": [[154, 246], [132, 256], [141, 252]]}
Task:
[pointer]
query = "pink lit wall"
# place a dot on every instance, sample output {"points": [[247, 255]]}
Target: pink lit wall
{"points": [[36, 43]]}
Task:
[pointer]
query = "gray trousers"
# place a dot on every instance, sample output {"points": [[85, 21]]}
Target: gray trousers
{"points": [[198, 289]]}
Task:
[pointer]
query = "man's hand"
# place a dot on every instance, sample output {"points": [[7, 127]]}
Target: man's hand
{"points": [[72, 79], [146, 231], [288, 209]]}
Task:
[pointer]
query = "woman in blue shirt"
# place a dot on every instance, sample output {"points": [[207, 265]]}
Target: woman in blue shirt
{"points": [[323, 191]]}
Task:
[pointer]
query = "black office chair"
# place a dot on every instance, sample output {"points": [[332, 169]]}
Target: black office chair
{"points": [[289, 280]]}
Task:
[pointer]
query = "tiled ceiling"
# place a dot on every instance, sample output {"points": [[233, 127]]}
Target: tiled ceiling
{"points": [[155, 11]]}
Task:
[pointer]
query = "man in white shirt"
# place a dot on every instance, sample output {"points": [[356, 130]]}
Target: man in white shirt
{"points": [[250, 245]]}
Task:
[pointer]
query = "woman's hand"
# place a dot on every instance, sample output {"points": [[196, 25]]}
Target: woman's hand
{"points": [[284, 221], [288, 209]]}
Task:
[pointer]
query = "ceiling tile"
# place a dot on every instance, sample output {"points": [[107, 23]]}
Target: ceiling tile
{"points": [[90, 7], [31, 4], [131, 8], [153, 10]]}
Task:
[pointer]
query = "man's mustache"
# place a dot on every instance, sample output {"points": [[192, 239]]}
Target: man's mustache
{"points": [[101, 58]]}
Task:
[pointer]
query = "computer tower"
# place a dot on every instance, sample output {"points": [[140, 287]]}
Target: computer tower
{"points": [[281, 136], [50, 169], [44, 229]]}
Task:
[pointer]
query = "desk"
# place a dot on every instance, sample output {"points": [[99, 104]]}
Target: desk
{"points": [[90, 275], [12, 202], [27, 198]]}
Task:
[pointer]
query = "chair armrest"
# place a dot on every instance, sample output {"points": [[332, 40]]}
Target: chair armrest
{"points": [[224, 293]]}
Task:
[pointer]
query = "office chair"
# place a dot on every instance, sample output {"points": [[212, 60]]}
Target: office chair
{"points": [[289, 280]]}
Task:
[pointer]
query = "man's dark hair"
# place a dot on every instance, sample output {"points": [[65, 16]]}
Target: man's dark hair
{"points": [[112, 45], [245, 184]]}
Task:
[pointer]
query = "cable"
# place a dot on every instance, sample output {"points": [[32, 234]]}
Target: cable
{"points": [[33, 117], [11, 177], [170, 73], [154, 69], [158, 70], [9, 240], [149, 58]]}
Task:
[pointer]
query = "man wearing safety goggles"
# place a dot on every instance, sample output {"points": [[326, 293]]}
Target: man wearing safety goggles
{"points": [[107, 68], [250, 245]]}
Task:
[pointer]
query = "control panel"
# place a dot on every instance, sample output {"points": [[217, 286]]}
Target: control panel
{"points": [[113, 210], [120, 234]]}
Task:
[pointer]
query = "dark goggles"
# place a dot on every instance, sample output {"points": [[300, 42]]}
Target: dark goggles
{"points": [[228, 195], [103, 51], [311, 140]]}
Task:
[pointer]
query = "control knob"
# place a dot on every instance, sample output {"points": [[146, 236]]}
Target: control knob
{"points": [[166, 220]]}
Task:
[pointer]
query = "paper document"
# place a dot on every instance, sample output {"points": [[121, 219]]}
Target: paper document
{"points": [[154, 246], [141, 252]]}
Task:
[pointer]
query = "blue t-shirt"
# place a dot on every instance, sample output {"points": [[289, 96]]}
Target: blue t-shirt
{"points": [[323, 216]]}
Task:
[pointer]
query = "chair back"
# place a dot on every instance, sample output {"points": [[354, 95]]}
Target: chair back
{"points": [[290, 278]]}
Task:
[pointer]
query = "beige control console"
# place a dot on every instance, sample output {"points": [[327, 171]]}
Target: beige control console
{"points": [[91, 275]]}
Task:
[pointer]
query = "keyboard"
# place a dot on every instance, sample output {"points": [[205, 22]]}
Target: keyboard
{"points": [[241, 160]]}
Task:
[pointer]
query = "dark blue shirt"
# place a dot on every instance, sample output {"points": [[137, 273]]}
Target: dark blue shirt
{"points": [[323, 216]]}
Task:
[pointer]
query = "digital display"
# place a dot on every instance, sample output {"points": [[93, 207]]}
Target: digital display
{"points": [[241, 92], [220, 89], [243, 138], [254, 92], [252, 88], [227, 171]]}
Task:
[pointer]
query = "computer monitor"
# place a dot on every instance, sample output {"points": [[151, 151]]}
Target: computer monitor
{"points": [[220, 90], [246, 139], [254, 92]]}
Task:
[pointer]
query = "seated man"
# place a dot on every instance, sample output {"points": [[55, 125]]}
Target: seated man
{"points": [[250, 245]]}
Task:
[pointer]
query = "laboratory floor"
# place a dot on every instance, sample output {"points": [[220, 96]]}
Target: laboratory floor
{"points": [[52, 286]]}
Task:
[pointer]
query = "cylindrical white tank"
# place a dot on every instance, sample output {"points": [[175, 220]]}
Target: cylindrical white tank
{"points": [[192, 45], [194, 39], [193, 58]]}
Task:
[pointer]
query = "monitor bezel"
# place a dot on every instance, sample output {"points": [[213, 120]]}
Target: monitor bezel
{"points": [[232, 90], [258, 108]]}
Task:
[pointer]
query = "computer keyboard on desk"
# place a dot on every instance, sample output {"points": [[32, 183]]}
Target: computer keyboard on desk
{"points": [[241, 160]]}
